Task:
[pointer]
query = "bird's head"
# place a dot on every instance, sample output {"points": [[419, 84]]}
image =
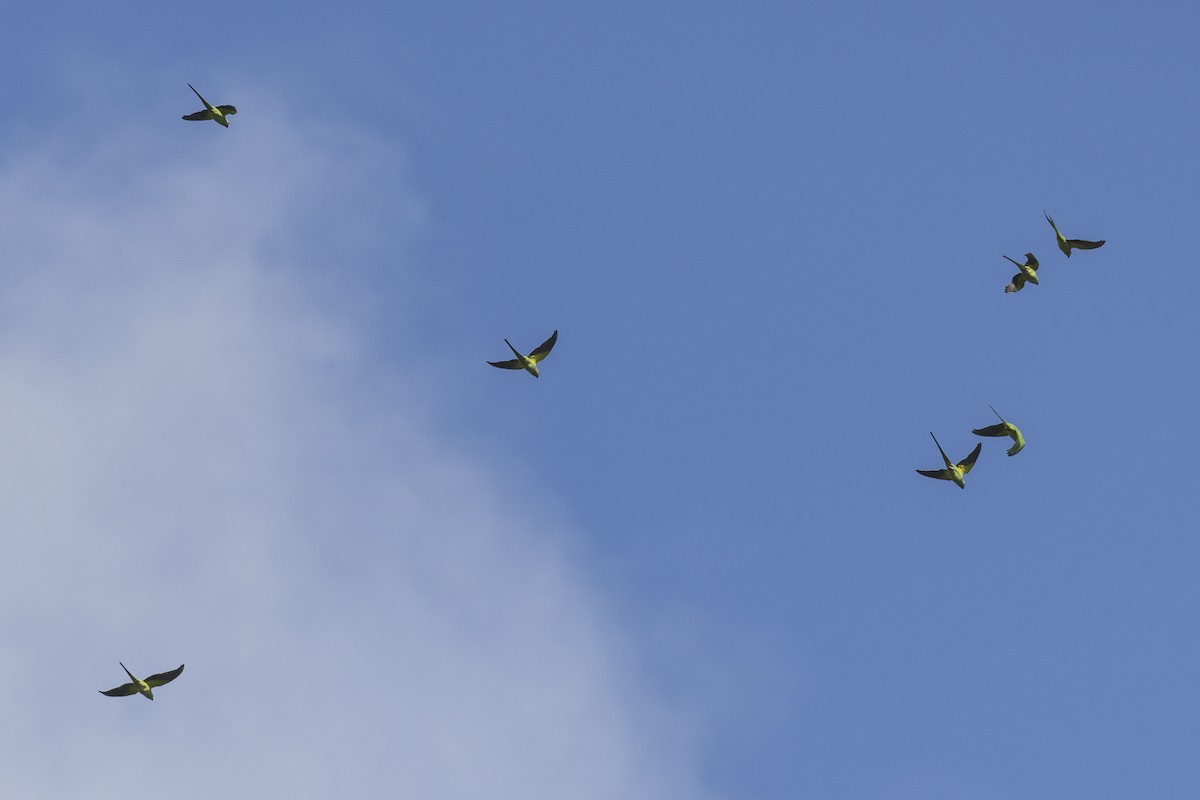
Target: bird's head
{"points": [[1031, 278], [221, 119]]}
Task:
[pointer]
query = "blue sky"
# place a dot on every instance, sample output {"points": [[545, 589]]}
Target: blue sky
{"points": [[246, 394]]}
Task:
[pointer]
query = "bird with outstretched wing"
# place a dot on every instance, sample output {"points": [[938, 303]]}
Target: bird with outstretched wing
{"points": [[529, 363], [1067, 245], [952, 472]]}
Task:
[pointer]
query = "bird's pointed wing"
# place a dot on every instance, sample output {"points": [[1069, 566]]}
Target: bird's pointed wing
{"points": [[199, 115], [122, 690], [544, 348], [202, 100], [512, 363], [1018, 281], [968, 462], [164, 677], [227, 110], [1031, 261], [991, 430], [940, 474], [1083, 244]]}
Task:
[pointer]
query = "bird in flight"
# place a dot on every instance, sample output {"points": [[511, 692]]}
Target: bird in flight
{"points": [[528, 363], [216, 113], [1065, 244], [1005, 428], [1028, 273], [952, 472], [146, 687]]}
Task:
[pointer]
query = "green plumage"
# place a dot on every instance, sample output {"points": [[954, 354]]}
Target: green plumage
{"points": [[1005, 428], [528, 363], [952, 472], [1028, 273], [217, 114], [1067, 245], [144, 687]]}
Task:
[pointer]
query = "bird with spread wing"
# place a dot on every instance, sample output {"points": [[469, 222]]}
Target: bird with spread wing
{"points": [[1005, 428], [952, 472], [528, 363], [1028, 273], [217, 114], [144, 687], [1067, 245]]}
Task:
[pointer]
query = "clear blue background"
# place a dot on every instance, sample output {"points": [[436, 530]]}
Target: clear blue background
{"points": [[770, 235]]}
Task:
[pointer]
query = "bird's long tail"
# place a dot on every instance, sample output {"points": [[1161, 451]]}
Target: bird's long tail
{"points": [[940, 450], [202, 100]]}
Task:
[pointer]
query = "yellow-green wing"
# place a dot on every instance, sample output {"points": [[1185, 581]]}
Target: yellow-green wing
{"points": [[968, 462], [991, 430], [940, 474], [1017, 283], [227, 110], [122, 691], [1018, 441], [1083, 244], [199, 115], [164, 677], [544, 348], [512, 363], [1031, 261]]}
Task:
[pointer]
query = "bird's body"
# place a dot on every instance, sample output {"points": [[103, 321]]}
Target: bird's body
{"points": [[217, 114], [1005, 428], [1067, 245], [1028, 273], [529, 363], [143, 687], [953, 472]]}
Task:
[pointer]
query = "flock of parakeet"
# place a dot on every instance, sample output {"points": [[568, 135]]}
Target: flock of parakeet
{"points": [[953, 471], [1029, 268], [220, 115], [529, 363], [957, 472]]}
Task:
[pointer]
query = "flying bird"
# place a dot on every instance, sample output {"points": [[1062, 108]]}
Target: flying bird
{"points": [[952, 472], [1005, 428], [216, 113], [528, 363], [1065, 244], [146, 687], [1028, 273]]}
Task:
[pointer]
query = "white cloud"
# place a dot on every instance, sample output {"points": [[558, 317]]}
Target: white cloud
{"points": [[191, 469]]}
